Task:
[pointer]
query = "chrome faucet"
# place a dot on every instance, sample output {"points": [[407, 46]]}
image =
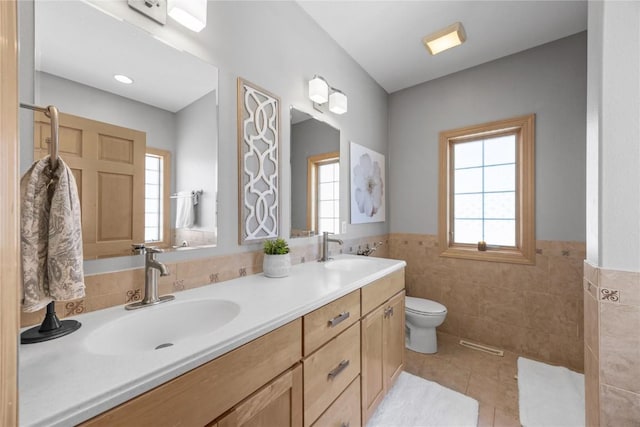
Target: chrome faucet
{"points": [[369, 250], [151, 269], [325, 246]]}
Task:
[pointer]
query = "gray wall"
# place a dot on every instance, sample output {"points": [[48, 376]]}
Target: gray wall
{"points": [[308, 138], [197, 156], [548, 80]]}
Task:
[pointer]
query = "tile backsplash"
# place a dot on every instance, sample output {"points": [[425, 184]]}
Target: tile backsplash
{"points": [[532, 310], [122, 287]]}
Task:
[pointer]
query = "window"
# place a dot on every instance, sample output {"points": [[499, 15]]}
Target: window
{"points": [[487, 191], [323, 193], [156, 196]]}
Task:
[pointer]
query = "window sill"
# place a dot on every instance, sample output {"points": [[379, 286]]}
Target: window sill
{"points": [[492, 255]]}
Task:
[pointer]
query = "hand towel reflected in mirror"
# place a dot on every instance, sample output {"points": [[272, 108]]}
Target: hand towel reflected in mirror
{"points": [[51, 236], [185, 210]]}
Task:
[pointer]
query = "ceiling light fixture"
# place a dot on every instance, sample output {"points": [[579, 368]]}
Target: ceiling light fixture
{"points": [[449, 37], [123, 79], [190, 13], [320, 92]]}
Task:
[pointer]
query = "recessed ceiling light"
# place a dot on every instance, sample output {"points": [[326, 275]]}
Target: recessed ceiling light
{"points": [[123, 79], [449, 37]]}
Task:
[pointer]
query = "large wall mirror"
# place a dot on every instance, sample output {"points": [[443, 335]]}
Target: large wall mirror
{"points": [[144, 153], [315, 176]]}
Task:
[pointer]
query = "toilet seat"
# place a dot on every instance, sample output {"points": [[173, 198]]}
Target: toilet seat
{"points": [[424, 307]]}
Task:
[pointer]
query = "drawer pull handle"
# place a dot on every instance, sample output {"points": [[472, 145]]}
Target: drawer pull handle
{"points": [[339, 318], [388, 311], [336, 371], [347, 424]]}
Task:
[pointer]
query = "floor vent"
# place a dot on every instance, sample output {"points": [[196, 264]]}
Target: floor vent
{"points": [[480, 347]]}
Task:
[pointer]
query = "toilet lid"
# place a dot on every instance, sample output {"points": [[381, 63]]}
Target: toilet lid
{"points": [[426, 306]]}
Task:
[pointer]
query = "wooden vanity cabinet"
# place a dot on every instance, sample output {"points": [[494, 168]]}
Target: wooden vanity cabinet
{"points": [[203, 394], [383, 332], [331, 367]]}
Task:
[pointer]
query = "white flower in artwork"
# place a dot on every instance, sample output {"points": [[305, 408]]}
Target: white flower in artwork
{"points": [[369, 185]]}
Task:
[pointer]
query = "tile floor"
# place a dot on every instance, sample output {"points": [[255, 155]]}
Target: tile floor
{"points": [[488, 379]]}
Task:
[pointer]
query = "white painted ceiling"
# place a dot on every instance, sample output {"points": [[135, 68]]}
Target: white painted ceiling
{"points": [[385, 37], [75, 41]]}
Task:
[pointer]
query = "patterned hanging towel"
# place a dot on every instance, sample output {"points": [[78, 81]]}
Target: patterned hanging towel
{"points": [[51, 236]]}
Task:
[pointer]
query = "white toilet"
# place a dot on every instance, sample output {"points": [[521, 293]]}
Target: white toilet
{"points": [[422, 317]]}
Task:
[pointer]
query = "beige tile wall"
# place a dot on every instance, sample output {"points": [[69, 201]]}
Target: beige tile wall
{"points": [[111, 289], [612, 346], [530, 310]]}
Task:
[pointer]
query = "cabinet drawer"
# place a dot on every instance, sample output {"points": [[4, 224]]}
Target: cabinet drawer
{"points": [[328, 371], [381, 290], [345, 411], [205, 393], [328, 321]]}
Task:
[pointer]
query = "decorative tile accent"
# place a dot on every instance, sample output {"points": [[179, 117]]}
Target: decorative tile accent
{"points": [[178, 285], [133, 295], [74, 307], [539, 251], [611, 295], [106, 289]]}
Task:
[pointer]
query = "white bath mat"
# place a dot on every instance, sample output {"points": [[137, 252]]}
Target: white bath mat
{"points": [[416, 402], [550, 396]]}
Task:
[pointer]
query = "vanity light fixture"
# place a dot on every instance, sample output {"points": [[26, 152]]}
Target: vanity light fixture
{"points": [[338, 102], [448, 37], [123, 79], [190, 13], [320, 92]]}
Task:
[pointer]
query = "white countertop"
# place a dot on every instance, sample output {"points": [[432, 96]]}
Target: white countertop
{"points": [[62, 383]]}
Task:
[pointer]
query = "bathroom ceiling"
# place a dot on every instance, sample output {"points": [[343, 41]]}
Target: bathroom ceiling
{"points": [[78, 42], [385, 37]]}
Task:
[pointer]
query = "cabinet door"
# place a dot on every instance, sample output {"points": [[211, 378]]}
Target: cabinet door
{"points": [[279, 403], [393, 347], [372, 366]]}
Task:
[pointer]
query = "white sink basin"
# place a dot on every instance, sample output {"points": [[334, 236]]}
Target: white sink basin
{"points": [[350, 264], [161, 326]]}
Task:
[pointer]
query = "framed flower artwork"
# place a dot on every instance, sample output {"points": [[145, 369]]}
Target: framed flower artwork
{"points": [[367, 185]]}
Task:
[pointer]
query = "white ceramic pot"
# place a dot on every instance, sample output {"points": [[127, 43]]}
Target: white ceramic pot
{"points": [[276, 265]]}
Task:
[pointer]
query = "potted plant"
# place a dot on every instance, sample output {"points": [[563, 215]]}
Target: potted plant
{"points": [[277, 260]]}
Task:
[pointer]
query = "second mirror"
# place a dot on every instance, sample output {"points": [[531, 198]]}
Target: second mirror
{"points": [[315, 176]]}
